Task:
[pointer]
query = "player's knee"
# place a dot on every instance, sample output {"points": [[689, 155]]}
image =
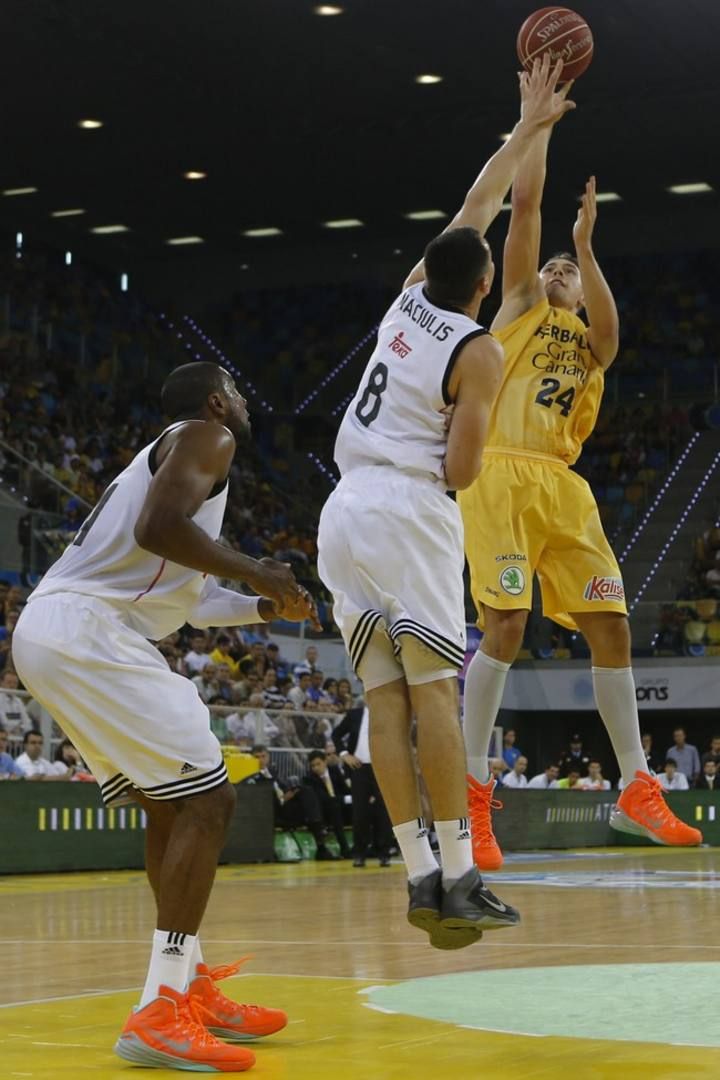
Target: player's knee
{"points": [[609, 638], [504, 633]]}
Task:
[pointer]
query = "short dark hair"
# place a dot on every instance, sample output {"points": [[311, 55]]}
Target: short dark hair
{"points": [[188, 387], [671, 761], [455, 262], [258, 748], [32, 731], [679, 728], [317, 755], [566, 256]]}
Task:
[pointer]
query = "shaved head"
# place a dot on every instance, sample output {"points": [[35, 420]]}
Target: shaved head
{"points": [[187, 388]]}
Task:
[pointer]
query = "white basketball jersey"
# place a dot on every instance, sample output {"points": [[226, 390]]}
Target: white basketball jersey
{"points": [[104, 560], [399, 416]]}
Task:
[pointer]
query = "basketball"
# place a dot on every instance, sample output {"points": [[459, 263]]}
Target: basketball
{"points": [[561, 32]]}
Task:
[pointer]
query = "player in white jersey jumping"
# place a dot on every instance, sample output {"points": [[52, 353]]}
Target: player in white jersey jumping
{"points": [[391, 541], [138, 569]]}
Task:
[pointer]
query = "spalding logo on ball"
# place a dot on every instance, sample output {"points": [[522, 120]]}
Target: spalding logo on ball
{"points": [[562, 33]]}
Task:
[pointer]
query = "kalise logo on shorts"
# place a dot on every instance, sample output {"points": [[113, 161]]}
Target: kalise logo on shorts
{"points": [[604, 588]]}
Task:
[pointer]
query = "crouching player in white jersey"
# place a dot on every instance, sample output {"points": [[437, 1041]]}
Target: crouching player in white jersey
{"points": [[391, 541], [137, 570]]}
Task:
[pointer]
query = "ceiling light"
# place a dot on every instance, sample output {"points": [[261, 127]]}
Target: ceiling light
{"points": [[179, 241], [269, 231], [343, 223], [428, 80], [104, 230], [425, 215], [194, 174], [20, 191], [67, 213], [327, 9], [689, 189], [90, 125], [605, 196]]}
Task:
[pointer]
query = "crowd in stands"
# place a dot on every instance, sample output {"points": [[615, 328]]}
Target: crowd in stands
{"points": [[681, 768], [691, 624]]}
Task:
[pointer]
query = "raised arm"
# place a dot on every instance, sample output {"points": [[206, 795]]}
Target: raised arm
{"points": [[198, 457], [604, 328], [473, 387], [540, 107]]}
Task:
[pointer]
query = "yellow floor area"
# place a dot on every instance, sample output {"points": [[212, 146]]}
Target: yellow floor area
{"points": [[324, 936]]}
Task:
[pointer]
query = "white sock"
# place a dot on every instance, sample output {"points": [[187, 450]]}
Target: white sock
{"points": [[484, 685], [412, 838], [195, 959], [455, 849], [617, 704], [169, 963]]}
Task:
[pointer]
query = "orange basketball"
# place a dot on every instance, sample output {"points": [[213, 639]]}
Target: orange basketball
{"points": [[562, 33]]}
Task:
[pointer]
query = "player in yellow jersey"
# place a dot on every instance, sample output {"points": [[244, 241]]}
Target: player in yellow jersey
{"points": [[527, 513]]}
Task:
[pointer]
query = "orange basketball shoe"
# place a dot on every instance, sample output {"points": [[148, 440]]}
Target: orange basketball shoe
{"points": [[226, 1018], [486, 852], [170, 1033], [642, 811]]}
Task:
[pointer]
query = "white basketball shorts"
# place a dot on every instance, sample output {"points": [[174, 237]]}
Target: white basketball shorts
{"points": [[136, 723], [391, 552]]}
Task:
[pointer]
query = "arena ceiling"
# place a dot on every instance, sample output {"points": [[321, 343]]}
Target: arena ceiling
{"points": [[299, 119]]}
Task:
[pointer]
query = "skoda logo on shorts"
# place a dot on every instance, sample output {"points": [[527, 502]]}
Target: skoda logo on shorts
{"points": [[512, 580]]}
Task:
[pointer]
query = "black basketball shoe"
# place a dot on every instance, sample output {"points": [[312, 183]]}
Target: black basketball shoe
{"points": [[425, 911], [469, 905]]}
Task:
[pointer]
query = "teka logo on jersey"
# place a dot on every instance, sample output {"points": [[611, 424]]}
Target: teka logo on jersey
{"points": [[511, 558], [604, 588]]}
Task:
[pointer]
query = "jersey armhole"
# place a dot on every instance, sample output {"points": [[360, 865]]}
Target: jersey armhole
{"points": [[153, 467], [480, 332], [502, 331]]}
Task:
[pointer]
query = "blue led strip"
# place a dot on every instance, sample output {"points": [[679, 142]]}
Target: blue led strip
{"points": [[658, 499], [675, 530], [336, 370], [191, 325], [343, 405], [322, 467]]}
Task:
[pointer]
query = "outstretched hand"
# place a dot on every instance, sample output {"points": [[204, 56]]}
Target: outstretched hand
{"points": [[541, 103], [587, 216]]}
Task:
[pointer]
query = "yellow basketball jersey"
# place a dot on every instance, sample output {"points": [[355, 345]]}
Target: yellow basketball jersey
{"points": [[552, 385]]}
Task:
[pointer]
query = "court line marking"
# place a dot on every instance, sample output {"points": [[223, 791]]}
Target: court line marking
{"points": [[135, 989], [43, 942]]}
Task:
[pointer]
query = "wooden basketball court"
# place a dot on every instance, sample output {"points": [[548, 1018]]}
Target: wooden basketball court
{"points": [[613, 973]]}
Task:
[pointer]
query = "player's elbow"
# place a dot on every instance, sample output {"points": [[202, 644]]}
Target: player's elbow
{"points": [[150, 534], [462, 472]]}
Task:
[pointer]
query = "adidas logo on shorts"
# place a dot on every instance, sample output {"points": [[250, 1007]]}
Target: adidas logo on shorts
{"points": [[187, 767]]}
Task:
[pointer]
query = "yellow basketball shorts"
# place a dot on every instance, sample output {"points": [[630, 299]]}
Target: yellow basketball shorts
{"points": [[523, 516]]}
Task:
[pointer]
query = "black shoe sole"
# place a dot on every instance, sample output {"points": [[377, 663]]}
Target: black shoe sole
{"points": [[487, 922], [447, 939]]}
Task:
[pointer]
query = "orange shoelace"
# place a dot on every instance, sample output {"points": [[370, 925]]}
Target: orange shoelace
{"points": [[655, 799], [480, 809], [226, 971], [192, 1022]]}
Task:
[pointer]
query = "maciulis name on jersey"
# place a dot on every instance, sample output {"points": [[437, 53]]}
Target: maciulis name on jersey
{"points": [[426, 320]]}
